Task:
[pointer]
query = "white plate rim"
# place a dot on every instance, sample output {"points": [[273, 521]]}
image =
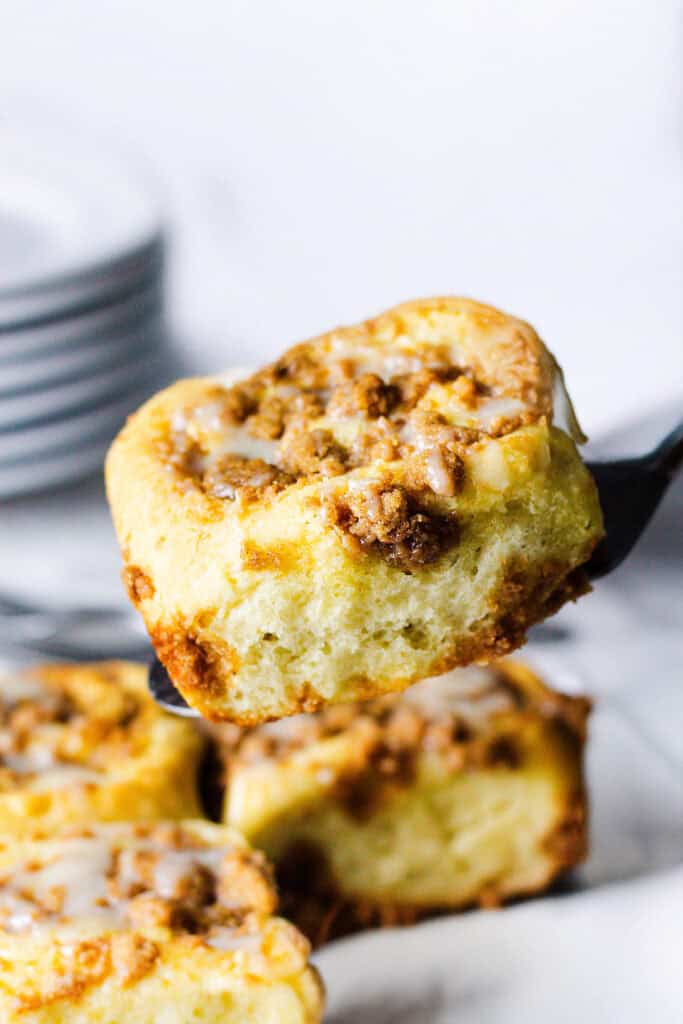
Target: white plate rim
{"points": [[83, 328], [17, 481], [78, 362], [99, 210], [49, 439], [53, 403], [83, 295]]}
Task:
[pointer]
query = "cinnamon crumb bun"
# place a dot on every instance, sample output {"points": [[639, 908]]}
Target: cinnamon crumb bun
{"points": [[381, 504]]}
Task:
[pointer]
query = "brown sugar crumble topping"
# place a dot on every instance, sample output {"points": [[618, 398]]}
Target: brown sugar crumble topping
{"points": [[129, 881], [62, 729], [459, 717], [308, 419], [142, 877], [342, 406], [388, 519], [434, 715]]}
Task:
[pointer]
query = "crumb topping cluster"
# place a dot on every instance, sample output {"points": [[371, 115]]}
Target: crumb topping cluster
{"points": [[299, 419], [450, 715], [141, 877], [469, 719], [64, 729], [404, 412]]}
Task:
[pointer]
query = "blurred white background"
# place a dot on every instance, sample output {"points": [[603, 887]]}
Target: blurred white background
{"points": [[324, 160]]}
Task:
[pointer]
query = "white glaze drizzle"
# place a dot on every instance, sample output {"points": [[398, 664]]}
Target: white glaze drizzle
{"points": [[238, 441], [385, 362], [235, 439], [36, 759], [31, 760], [473, 693], [439, 477], [285, 728], [173, 866], [81, 867], [491, 409], [50, 773], [564, 416], [16, 688], [232, 940]]}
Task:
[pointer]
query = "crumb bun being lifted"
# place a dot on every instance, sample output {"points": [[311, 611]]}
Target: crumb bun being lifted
{"points": [[379, 505]]}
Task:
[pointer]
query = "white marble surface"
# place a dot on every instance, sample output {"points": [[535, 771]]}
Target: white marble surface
{"points": [[611, 955]]}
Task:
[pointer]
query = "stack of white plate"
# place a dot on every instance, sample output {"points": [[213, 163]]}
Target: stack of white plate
{"points": [[81, 311]]}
